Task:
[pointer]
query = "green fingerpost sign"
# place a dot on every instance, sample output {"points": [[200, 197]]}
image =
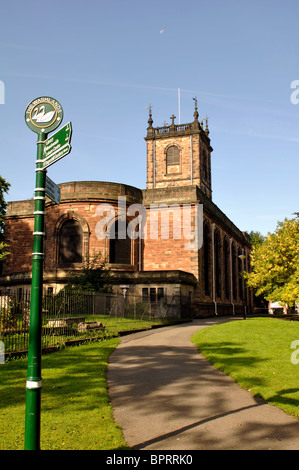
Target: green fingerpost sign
{"points": [[57, 146], [42, 115]]}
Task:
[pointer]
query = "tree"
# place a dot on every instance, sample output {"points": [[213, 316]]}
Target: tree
{"points": [[275, 264], [3, 250], [94, 276], [4, 187], [256, 238]]}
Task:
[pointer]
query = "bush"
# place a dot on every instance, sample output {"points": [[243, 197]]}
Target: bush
{"points": [[8, 318]]}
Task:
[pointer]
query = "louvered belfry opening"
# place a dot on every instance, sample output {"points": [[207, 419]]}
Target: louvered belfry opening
{"points": [[173, 155]]}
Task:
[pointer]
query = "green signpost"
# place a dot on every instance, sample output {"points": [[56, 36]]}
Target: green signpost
{"points": [[42, 115]]}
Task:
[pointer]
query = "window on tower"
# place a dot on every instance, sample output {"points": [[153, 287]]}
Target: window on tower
{"points": [[173, 155], [172, 158], [205, 164]]}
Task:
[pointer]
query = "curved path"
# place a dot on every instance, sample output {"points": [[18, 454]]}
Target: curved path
{"points": [[166, 396]]}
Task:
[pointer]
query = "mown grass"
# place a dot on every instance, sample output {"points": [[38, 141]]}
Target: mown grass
{"points": [[256, 353], [75, 408], [112, 327]]}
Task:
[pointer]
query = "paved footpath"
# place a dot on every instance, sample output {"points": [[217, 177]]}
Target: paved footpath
{"points": [[166, 396]]}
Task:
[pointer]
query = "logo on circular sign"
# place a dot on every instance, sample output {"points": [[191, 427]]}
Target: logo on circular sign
{"points": [[43, 114]]}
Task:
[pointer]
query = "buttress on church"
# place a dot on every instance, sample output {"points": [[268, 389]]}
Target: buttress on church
{"points": [[205, 278]]}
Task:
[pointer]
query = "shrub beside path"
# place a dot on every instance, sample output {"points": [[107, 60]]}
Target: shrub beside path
{"points": [[166, 396]]}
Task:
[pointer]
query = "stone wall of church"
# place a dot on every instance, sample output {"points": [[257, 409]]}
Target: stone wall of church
{"points": [[19, 227], [81, 202], [171, 246], [215, 264]]}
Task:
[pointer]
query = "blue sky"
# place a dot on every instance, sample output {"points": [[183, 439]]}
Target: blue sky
{"points": [[106, 61]]}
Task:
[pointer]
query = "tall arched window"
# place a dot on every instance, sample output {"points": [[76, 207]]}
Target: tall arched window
{"points": [[226, 267], [206, 247], [234, 270], [119, 247], [70, 243], [172, 158], [240, 269], [205, 164], [218, 263]]}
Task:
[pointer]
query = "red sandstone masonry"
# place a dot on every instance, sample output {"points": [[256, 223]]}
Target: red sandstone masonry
{"points": [[80, 201], [19, 237]]}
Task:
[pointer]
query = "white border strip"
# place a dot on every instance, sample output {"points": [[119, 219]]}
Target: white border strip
{"points": [[32, 384]]}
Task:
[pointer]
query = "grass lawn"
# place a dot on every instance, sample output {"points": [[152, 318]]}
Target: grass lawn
{"points": [[256, 353], [113, 326], [75, 409]]}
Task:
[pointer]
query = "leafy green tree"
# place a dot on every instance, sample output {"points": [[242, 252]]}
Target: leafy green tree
{"points": [[94, 276], [4, 187], [275, 264], [256, 238], [3, 250]]}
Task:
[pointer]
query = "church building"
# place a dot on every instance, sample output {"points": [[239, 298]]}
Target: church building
{"points": [[168, 242]]}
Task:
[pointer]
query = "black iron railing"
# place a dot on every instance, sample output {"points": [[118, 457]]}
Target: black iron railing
{"points": [[72, 315]]}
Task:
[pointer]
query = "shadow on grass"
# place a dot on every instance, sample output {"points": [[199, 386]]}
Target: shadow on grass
{"points": [[68, 372], [282, 398], [228, 356], [231, 360]]}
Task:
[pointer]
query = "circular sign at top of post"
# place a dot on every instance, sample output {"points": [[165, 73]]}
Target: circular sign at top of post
{"points": [[43, 114]]}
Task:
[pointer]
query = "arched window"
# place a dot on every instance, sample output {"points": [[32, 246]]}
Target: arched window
{"points": [[234, 270], [205, 164], [172, 157], [70, 243], [226, 267], [240, 270], [218, 263], [206, 247], [119, 247]]}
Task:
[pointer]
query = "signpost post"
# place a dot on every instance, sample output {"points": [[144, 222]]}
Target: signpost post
{"points": [[43, 115]]}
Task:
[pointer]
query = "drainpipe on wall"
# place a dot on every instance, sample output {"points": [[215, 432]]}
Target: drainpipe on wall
{"points": [[139, 243], [191, 156], [231, 274], [154, 163], [213, 266], [139, 255]]}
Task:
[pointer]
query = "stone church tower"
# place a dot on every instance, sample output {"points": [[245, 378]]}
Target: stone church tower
{"points": [[179, 155]]}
